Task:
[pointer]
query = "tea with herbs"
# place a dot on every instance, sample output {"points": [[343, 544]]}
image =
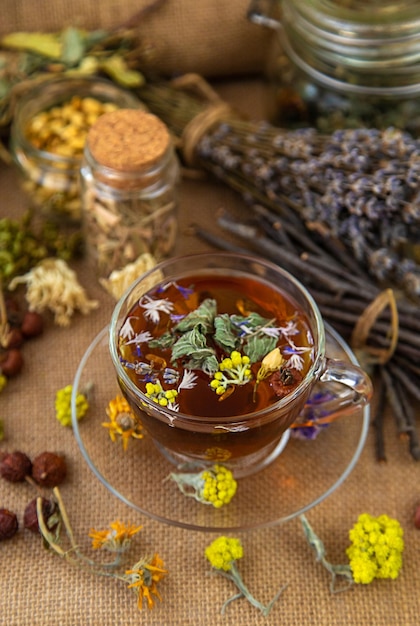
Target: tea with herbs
{"points": [[214, 347]]}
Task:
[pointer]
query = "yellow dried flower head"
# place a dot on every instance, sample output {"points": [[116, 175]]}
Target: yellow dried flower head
{"points": [[376, 548], [223, 552], [123, 423], [63, 405], [218, 454], [270, 363], [143, 579], [117, 538]]}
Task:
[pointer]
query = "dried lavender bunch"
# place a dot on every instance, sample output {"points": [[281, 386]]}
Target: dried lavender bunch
{"points": [[361, 187]]}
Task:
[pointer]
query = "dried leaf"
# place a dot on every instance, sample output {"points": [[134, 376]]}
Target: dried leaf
{"points": [[257, 346], [45, 44], [202, 317], [74, 46], [117, 69], [224, 335], [193, 344]]}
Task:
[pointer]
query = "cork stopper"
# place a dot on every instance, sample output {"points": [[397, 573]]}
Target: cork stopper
{"points": [[128, 140]]}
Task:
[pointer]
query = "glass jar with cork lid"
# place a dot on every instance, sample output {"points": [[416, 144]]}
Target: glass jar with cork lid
{"points": [[343, 63], [129, 186]]}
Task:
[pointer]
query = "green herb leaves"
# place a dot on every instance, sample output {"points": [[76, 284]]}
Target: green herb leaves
{"points": [[198, 334], [194, 344]]}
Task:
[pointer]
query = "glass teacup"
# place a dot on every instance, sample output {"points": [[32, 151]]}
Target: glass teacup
{"points": [[218, 355]]}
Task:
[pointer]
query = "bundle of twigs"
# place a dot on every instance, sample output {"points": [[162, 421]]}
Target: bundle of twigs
{"points": [[383, 333], [340, 212]]}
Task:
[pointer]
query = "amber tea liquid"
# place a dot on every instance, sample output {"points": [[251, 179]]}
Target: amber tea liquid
{"points": [[235, 315]]}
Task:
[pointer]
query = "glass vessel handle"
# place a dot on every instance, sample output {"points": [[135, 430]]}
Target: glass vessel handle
{"points": [[348, 389], [265, 13]]}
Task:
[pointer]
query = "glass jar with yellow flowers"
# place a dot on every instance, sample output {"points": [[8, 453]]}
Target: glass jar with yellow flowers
{"points": [[48, 136]]}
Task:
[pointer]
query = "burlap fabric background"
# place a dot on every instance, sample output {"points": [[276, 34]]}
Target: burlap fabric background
{"points": [[212, 37], [39, 589]]}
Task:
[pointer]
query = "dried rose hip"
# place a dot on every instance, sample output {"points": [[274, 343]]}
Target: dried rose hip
{"points": [[15, 466], [11, 362], [285, 380], [49, 469], [14, 338], [32, 324], [8, 524], [417, 517], [30, 516]]}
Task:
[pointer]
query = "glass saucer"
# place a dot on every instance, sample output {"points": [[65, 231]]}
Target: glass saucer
{"points": [[306, 472]]}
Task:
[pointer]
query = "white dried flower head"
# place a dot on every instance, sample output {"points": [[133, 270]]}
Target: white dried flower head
{"points": [[52, 285]]}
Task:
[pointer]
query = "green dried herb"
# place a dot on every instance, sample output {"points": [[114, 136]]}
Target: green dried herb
{"points": [[202, 317], [258, 345], [194, 344], [224, 335]]}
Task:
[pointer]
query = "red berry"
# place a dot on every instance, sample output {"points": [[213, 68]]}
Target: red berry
{"points": [[32, 324], [15, 466], [417, 517], [11, 362], [14, 338], [8, 524], [49, 469], [30, 516]]}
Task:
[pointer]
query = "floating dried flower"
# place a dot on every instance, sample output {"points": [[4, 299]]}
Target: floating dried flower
{"points": [[233, 370], [270, 363], [376, 548], [215, 485], [123, 423], [222, 554], [53, 285], [218, 454], [63, 405], [117, 538], [143, 578], [155, 392]]}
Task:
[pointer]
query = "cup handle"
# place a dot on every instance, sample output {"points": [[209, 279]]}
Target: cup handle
{"points": [[350, 389]]}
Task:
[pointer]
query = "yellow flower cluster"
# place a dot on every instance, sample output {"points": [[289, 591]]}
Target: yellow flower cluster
{"points": [[376, 549], [223, 552], [219, 486], [63, 405], [233, 370], [155, 392]]}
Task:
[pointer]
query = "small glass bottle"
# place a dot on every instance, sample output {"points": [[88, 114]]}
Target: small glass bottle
{"points": [[129, 184], [343, 63]]}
